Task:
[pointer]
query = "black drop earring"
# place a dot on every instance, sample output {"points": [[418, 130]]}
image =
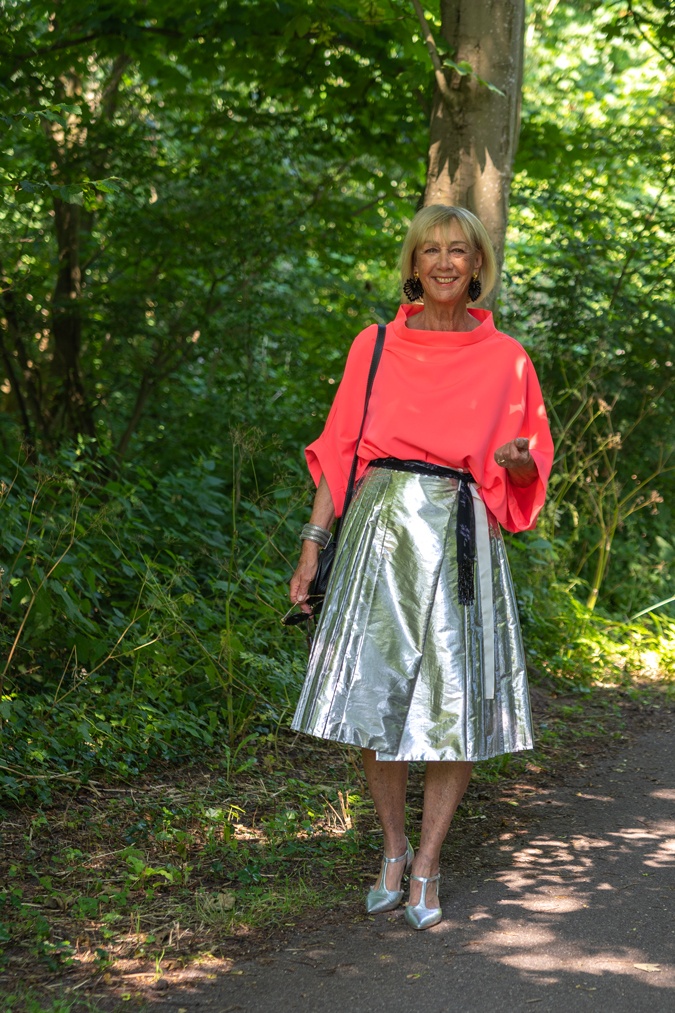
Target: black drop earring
{"points": [[413, 288], [475, 288]]}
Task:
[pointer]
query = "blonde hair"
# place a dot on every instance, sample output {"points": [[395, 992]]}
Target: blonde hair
{"points": [[435, 216]]}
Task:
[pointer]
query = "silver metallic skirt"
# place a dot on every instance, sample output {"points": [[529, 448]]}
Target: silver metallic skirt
{"points": [[397, 664]]}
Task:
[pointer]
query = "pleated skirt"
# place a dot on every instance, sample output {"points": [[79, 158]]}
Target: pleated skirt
{"points": [[397, 664]]}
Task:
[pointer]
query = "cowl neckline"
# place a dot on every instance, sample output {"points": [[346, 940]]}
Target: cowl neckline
{"points": [[485, 328]]}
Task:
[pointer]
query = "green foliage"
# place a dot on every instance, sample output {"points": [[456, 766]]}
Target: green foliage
{"points": [[572, 643], [139, 617], [30, 1001], [234, 202], [203, 207], [589, 289]]}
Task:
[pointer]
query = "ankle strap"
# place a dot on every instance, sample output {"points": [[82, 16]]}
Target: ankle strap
{"points": [[401, 858], [427, 879], [392, 861]]}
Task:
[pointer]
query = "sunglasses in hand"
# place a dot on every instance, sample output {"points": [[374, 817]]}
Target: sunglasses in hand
{"points": [[294, 618]]}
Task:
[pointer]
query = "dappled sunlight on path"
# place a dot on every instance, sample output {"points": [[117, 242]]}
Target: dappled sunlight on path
{"points": [[584, 875], [574, 914]]}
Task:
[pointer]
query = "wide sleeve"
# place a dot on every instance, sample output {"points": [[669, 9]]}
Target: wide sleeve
{"points": [[332, 454], [523, 504]]}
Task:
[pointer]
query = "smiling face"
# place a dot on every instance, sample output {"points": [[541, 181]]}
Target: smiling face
{"points": [[446, 263]]}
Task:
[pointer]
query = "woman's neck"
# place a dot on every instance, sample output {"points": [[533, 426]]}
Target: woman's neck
{"points": [[443, 318]]}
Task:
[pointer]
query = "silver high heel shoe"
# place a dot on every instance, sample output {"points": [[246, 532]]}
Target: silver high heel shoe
{"points": [[380, 899], [420, 916]]}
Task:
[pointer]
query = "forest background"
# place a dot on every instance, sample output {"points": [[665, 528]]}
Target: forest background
{"points": [[203, 204]]}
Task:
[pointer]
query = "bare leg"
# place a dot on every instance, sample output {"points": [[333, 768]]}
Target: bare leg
{"points": [[387, 781], [444, 786]]}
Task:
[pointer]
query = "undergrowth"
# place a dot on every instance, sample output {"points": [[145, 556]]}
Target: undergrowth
{"points": [[576, 645], [139, 618], [27, 1000]]}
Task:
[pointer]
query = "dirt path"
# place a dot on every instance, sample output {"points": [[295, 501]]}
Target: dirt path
{"points": [[575, 915]]}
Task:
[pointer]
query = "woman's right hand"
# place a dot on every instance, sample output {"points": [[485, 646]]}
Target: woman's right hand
{"points": [[305, 573]]}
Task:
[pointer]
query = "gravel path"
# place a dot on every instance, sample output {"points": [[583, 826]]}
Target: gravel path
{"points": [[574, 915]]}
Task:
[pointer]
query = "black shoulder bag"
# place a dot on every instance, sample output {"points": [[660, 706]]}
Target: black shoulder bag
{"points": [[317, 589]]}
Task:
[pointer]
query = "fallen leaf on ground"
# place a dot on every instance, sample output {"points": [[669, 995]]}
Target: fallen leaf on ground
{"points": [[647, 967]]}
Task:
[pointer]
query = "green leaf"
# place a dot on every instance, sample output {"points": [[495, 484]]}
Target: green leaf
{"points": [[72, 193]]}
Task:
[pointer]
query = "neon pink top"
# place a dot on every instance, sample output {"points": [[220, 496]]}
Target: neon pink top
{"points": [[450, 397]]}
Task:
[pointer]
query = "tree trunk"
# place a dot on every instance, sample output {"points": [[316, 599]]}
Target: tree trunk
{"points": [[143, 394], [474, 131], [22, 374], [72, 412], [67, 323]]}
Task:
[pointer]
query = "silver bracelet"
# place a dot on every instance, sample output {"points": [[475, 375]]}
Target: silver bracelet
{"points": [[314, 533]]}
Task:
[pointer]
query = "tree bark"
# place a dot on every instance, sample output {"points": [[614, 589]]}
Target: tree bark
{"points": [[67, 321], [16, 390], [22, 373], [474, 131], [142, 395]]}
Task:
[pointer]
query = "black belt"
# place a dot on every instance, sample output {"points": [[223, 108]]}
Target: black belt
{"points": [[466, 524]]}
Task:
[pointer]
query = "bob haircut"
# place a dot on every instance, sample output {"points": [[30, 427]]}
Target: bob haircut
{"points": [[441, 216]]}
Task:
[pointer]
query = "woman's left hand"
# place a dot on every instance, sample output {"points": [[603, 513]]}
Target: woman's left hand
{"points": [[515, 456]]}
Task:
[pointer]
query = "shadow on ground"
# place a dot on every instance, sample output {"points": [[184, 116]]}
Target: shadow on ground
{"points": [[575, 913]]}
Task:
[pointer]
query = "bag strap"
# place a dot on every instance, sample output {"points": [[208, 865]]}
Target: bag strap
{"points": [[375, 362]]}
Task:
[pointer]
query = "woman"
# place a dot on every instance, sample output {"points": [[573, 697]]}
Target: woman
{"points": [[418, 654]]}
